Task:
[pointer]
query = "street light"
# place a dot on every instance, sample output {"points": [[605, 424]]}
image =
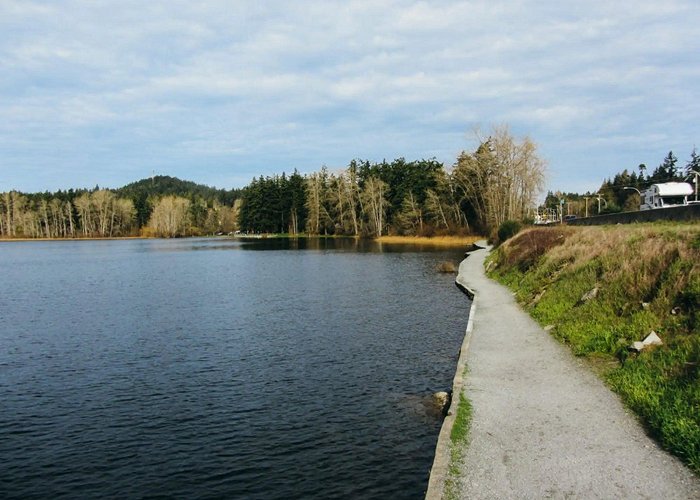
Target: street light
{"points": [[633, 189], [696, 174], [600, 198]]}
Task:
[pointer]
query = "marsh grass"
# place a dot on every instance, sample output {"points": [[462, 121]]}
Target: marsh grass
{"points": [[648, 277], [443, 241]]}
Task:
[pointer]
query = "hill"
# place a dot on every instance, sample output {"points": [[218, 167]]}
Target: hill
{"points": [[164, 185]]}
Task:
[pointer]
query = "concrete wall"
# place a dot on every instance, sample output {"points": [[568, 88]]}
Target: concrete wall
{"points": [[686, 213]]}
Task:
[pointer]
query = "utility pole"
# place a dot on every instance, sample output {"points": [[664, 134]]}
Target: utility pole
{"points": [[561, 210], [586, 198]]}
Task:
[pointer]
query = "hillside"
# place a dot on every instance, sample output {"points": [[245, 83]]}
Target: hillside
{"points": [[599, 289], [164, 185]]}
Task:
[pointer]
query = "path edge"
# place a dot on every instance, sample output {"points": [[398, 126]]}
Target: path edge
{"points": [[441, 463]]}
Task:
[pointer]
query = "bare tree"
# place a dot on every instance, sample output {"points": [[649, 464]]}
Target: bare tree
{"points": [[410, 217], [501, 179], [375, 203], [170, 217], [316, 201]]}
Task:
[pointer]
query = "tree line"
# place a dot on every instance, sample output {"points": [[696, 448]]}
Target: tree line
{"points": [[612, 197], [499, 180], [159, 206]]}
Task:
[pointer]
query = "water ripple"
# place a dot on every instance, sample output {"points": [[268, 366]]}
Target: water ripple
{"points": [[157, 369]]}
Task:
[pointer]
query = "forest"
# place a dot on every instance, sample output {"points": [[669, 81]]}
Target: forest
{"points": [[498, 181]]}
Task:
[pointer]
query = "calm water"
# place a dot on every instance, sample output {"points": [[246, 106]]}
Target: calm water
{"points": [[214, 368]]}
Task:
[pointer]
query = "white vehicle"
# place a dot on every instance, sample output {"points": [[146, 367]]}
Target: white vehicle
{"points": [[668, 194]]}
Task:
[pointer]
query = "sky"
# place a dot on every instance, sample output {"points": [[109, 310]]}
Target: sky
{"points": [[218, 92]]}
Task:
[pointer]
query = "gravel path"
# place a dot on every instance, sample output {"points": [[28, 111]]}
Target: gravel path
{"points": [[544, 426]]}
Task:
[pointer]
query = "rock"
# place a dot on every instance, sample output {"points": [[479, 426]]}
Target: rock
{"points": [[651, 340], [446, 267], [589, 295], [637, 346], [472, 248], [538, 297], [442, 400]]}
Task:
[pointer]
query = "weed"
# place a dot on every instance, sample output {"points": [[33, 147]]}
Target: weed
{"points": [[458, 440]]}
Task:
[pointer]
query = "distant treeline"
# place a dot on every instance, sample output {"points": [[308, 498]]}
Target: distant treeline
{"points": [[498, 181], [162, 206], [618, 194]]}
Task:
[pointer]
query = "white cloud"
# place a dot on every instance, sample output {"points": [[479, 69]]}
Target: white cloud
{"points": [[277, 84]]}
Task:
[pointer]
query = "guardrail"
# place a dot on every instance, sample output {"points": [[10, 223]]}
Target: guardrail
{"points": [[684, 213]]}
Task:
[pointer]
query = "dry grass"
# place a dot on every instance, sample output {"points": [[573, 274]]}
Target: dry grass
{"points": [[526, 247], [443, 241]]}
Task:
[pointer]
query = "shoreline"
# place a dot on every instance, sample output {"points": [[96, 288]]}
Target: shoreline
{"points": [[443, 241], [440, 470], [103, 238], [432, 241]]}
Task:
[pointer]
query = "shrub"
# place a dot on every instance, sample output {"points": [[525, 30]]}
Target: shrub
{"points": [[507, 230]]}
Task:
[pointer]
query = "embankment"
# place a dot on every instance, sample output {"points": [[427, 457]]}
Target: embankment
{"points": [[598, 290], [455, 425], [542, 424]]}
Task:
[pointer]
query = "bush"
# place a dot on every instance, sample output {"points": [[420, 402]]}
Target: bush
{"points": [[507, 230]]}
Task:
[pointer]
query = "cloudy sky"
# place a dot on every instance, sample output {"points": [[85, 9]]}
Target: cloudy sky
{"points": [[107, 92]]}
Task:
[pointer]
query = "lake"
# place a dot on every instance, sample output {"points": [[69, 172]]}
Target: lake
{"points": [[210, 368]]}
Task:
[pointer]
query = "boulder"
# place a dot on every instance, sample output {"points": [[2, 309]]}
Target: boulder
{"points": [[592, 294], [442, 400], [651, 340]]}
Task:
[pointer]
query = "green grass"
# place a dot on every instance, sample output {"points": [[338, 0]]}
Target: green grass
{"points": [[648, 277], [459, 438]]}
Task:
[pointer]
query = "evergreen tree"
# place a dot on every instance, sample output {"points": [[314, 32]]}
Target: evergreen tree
{"points": [[667, 171], [693, 164]]}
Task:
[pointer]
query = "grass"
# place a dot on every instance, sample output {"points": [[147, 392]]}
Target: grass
{"points": [[458, 440], [648, 278], [443, 241]]}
